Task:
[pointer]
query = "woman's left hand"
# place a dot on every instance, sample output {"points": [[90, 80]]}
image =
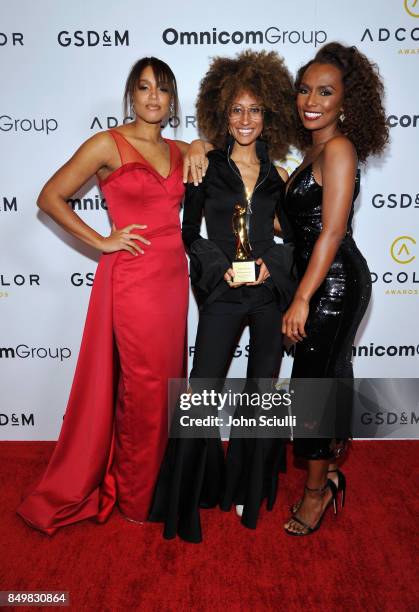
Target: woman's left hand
{"points": [[195, 162], [295, 319], [263, 273]]}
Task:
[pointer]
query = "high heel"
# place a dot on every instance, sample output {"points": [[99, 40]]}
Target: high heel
{"points": [[341, 486], [309, 530]]}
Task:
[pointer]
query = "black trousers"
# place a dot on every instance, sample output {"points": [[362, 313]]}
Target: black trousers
{"points": [[194, 473], [219, 328]]}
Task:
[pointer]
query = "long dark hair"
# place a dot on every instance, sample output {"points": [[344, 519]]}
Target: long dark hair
{"points": [[162, 73], [365, 120]]}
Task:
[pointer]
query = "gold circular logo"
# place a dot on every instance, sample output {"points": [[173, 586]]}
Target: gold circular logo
{"points": [[290, 163], [412, 7], [401, 249]]}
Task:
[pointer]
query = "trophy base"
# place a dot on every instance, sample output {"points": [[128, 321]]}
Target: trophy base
{"points": [[244, 271]]}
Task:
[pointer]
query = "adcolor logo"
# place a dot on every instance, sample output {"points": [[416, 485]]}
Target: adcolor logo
{"points": [[412, 7], [11, 38], [401, 249]]}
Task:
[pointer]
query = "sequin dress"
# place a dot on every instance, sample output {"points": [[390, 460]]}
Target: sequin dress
{"points": [[336, 308]]}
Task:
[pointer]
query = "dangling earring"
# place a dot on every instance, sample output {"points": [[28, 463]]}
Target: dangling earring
{"points": [[171, 110], [342, 117], [134, 114]]}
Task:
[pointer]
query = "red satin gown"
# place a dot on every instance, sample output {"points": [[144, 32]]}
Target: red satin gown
{"points": [[116, 424]]}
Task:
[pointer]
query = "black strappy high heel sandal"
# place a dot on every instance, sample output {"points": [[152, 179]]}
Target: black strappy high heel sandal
{"points": [[341, 486], [308, 529]]}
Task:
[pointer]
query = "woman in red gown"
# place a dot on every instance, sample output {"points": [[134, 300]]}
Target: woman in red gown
{"points": [[115, 427]]}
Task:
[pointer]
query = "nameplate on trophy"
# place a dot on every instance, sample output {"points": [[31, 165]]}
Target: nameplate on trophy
{"points": [[244, 271]]}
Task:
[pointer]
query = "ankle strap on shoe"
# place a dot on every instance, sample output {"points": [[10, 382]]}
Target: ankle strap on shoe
{"points": [[318, 490]]}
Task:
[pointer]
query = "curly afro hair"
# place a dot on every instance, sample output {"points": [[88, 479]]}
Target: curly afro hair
{"points": [[365, 121], [265, 76]]}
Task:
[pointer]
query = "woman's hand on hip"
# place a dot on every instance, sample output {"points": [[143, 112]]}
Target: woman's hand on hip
{"points": [[124, 240], [295, 318], [263, 273]]}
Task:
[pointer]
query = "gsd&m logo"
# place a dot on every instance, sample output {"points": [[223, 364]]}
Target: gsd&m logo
{"points": [[389, 418], [91, 38], [17, 420], [8, 204], [78, 279], [412, 7], [402, 249], [399, 201]]}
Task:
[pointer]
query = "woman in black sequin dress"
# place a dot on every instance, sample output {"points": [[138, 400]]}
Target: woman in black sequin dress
{"points": [[339, 102]]}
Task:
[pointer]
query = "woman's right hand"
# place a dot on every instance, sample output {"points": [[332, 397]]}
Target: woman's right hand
{"points": [[124, 240], [195, 162], [229, 278]]}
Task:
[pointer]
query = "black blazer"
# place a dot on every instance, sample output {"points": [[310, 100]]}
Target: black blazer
{"points": [[221, 189]]}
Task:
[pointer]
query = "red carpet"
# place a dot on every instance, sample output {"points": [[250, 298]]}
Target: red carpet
{"points": [[366, 559]]}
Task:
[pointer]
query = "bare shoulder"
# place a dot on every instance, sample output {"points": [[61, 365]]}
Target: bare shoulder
{"points": [[282, 173], [339, 149], [100, 144], [182, 145]]}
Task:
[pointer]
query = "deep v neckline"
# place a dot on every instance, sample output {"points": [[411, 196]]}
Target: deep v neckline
{"points": [[294, 177], [164, 178]]}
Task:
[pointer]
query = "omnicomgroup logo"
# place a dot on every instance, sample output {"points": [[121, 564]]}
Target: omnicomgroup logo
{"points": [[91, 38], [404, 121], [385, 350], [269, 36], [33, 124], [402, 249], [80, 204], [23, 351], [412, 7]]}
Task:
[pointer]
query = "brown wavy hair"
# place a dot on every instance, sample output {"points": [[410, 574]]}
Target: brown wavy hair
{"points": [[266, 77], [365, 120]]}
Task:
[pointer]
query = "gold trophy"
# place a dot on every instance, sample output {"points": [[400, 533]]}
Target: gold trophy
{"points": [[244, 266]]}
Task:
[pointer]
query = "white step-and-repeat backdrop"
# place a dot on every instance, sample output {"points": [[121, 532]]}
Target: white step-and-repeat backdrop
{"points": [[63, 69]]}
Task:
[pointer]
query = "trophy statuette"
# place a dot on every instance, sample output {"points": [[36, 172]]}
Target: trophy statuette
{"points": [[243, 266]]}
